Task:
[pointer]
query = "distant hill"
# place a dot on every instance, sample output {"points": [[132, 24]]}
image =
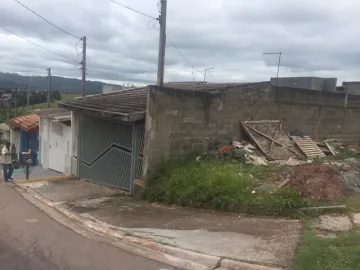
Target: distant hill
{"points": [[63, 85]]}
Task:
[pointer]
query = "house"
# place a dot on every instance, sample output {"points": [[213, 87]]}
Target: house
{"points": [[4, 132], [351, 87], [24, 132], [108, 136], [55, 138], [121, 136]]}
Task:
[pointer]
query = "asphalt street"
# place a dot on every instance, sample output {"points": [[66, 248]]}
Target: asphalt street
{"points": [[31, 240]]}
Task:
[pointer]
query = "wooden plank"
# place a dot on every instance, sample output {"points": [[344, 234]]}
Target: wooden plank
{"points": [[244, 126], [262, 122], [309, 147], [283, 184], [330, 148], [266, 142], [275, 135]]}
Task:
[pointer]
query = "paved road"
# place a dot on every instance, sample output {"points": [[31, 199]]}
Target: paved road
{"points": [[31, 240]]}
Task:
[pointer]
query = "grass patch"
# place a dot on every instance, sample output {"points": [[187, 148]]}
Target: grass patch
{"points": [[353, 203], [219, 185], [317, 253]]}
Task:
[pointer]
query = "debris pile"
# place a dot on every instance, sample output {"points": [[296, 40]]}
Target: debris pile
{"points": [[316, 181]]}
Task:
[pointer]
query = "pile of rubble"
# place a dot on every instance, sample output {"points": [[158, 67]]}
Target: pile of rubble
{"points": [[269, 143], [319, 182]]}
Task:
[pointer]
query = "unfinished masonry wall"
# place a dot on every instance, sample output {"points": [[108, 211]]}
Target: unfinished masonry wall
{"points": [[183, 121]]}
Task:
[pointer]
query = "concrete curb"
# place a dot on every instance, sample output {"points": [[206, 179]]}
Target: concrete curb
{"points": [[62, 177], [173, 256], [235, 265]]}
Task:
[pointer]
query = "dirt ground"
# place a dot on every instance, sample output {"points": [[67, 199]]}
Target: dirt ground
{"points": [[317, 181], [327, 181], [320, 182]]}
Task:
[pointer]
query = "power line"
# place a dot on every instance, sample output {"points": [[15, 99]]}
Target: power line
{"points": [[32, 42], [139, 12], [183, 56], [64, 31]]}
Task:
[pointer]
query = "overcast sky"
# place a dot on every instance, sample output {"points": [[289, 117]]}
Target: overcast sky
{"points": [[316, 38]]}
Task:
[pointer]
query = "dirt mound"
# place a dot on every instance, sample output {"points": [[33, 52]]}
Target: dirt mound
{"points": [[316, 181]]}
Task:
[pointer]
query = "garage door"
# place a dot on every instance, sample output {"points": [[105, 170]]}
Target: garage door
{"points": [[106, 152]]}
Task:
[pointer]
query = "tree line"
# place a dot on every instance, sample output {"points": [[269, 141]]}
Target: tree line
{"points": [[14, 102], [19, 97]]}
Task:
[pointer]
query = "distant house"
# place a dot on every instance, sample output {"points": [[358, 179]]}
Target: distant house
{"points": [[4, 132], [108, 88], [55, 138], [24, 132]]}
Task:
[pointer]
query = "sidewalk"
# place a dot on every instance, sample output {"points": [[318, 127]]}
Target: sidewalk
{"points": [[203, 237]]}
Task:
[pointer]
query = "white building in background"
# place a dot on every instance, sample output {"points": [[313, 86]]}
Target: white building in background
{"points": [[4, 132], [55, 139], [108, 88]]}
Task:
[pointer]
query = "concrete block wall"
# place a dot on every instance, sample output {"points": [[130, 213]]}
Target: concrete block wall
{"points": [[180, 122]]}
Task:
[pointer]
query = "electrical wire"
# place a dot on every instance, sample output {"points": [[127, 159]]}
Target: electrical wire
{"points": [[139, 12], [153, 25], [32, 42], [64, 31], [79, 53], [183, 56]]}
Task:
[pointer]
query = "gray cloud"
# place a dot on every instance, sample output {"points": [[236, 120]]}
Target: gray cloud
{"points": [[316, 38]]}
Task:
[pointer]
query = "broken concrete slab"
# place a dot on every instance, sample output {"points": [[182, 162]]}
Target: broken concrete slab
{"points": [[333, 223], [356, 220]]}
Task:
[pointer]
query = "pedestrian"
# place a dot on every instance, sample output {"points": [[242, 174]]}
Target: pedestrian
{"points": [[7, 162]]}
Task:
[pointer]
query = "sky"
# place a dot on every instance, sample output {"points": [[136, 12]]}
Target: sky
{"points": [[316, 38]]}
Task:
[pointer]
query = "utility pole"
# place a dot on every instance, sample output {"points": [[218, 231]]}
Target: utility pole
{"points": [[278, 68], [27, 97], [49, 88], [206, 69], [162, 43], [83, 64]]}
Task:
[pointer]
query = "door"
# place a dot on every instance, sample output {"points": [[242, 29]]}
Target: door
{"points": [[57, 147], [106, 152]]}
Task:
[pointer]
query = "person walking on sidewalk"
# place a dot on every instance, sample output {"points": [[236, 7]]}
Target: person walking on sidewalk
{"points": [[7, 163]]}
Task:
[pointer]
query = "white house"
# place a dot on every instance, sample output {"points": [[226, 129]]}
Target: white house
{"points": [[4, 132], [55, 139]]}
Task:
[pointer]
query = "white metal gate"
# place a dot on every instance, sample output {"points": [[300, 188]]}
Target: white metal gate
{"points": [[107, 151]]}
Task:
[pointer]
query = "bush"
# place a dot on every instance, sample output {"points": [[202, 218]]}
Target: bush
{"points": [[217, 185]]}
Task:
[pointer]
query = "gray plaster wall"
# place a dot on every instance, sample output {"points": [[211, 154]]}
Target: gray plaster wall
{"points": [[179, 122]]}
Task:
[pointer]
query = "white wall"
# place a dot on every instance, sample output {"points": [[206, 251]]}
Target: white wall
{"points": [[5, 135], [56, 146], [75, 120], [44, 127], [15, 138]]}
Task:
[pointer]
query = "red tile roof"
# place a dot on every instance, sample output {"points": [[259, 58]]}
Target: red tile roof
{"points": [[26, 123]]}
